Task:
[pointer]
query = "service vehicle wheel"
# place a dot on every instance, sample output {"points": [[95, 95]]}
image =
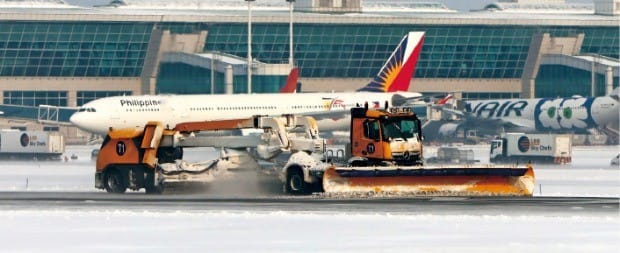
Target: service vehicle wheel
{"points": [[114, 182], [295, 183], [169, 154], [150, 186], [152, 189]]}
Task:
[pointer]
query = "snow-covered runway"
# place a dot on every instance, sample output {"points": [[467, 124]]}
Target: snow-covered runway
{"points": [[231, 231], [486, 228]]}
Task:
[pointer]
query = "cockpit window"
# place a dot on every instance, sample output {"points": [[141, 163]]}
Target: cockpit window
{"points": [[86, 109]]}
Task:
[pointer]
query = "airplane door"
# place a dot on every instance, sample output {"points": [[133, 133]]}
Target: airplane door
{"points": [[181, 112]]}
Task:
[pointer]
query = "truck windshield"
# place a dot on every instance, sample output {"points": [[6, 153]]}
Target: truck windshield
{"points": [[400, 128]]}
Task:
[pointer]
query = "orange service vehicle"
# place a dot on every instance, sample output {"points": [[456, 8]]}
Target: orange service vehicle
{"points": [[386, 157]]}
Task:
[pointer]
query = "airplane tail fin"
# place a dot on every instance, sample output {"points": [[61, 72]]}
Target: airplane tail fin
{"points": [[291, 82], [398, 70], [444, 100]]}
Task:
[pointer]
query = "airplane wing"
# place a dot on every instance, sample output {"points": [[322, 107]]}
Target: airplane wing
{"points": [[400, 100], [458, 113], [494, 123], [331, 114], [521, 124]]}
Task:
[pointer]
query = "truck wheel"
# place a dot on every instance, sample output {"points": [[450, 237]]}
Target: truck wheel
{"points": [[150, 186], [114, 182], [151, 189], [318, 186], [295, 183], [169, 154]]}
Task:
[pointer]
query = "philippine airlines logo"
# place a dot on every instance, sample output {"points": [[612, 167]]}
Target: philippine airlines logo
{"points": [[24, 140], [523, 144], [337, 103], [121, 148], [332, 103]]}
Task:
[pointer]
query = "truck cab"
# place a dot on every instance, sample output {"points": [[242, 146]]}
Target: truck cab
{"points": [[379, 136], [497, 150]]}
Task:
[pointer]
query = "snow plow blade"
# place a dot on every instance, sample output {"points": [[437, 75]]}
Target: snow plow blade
{"points": [[431, 181]]}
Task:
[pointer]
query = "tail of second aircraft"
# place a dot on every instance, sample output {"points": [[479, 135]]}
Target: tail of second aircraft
{"points": [[444, 100], [397, 72], [291, 82]]}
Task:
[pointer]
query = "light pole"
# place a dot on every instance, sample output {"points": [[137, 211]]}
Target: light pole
{"points": [[249, 45], [594, 70], [212, 72], [290, 32]]}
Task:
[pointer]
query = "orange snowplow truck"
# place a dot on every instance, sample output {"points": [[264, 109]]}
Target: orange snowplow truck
{"points": [[386, 157], [382, 136]]}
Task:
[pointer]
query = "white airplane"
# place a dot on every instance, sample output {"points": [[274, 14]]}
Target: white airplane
{"points": [[330, 109], [545, 115]]}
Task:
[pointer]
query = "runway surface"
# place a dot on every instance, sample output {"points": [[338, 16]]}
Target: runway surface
{"points": [[316, 202], [588, 185], [54, 206]]}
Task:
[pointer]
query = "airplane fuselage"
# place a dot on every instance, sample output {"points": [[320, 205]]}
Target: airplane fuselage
{"points": [[548, 114], [330, 109], [135, 111]]}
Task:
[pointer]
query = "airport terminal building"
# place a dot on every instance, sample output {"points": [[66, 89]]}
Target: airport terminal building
{"points": [[52, 53]]}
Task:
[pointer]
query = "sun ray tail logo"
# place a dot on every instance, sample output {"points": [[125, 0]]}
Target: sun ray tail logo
{"points": [[397, 72], [332, 103]]}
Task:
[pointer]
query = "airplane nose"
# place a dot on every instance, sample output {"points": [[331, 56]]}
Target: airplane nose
{"points": [[77, 119], [89, 122], [81, 121]]}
